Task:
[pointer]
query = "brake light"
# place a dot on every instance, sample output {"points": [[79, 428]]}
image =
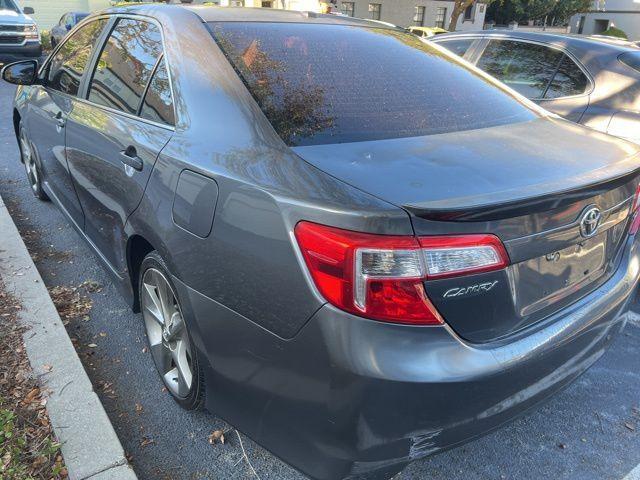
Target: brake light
{"points": [[635, 212], [381, 276]]}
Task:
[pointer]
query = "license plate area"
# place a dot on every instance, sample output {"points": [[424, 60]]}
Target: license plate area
{"points": [[547, 279]]}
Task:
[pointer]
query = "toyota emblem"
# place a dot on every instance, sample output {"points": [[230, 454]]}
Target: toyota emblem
{"points": [[590, 222]]}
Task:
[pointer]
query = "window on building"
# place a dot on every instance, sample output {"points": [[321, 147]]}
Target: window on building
{"points": [[526, 67], [348, 8], [418, 16], [468, 13], [441, 16], [236, 3], [126, 65], [374, 11], [68, 64], [267, 4]]}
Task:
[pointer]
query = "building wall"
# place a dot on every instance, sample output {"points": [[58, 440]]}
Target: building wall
{"points": [[401, 12], [48, 12], [624, 14]]}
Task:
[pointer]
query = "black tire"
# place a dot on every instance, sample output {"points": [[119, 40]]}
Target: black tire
{"points": [[31, 163], [194, 398]]}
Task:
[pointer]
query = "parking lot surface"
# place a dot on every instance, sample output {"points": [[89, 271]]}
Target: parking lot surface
{"points": [[591, 430]]}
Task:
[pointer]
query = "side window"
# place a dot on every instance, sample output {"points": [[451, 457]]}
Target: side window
{"points": [[67, 66], [569, 80], [125, 65], [525, 67], [158, 101], [459, 47]]}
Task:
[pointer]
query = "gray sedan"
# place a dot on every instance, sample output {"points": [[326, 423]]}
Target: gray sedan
{"points": [[345, 241], [592, 81]]}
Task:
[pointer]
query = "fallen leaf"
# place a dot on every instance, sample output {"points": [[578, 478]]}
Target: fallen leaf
{"points": [[139, 408], [562, 446], [630, 426], [47, 367], [92, 345], [216, 436]]}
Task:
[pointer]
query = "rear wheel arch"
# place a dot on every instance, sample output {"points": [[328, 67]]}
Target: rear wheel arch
{"points": [[138, 248]]}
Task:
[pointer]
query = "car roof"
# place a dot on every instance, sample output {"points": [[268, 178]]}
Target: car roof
{"points": [[213, 13], [567, 40]]}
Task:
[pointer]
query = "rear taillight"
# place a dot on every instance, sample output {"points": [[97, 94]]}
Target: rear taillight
{"points": [[381, 276], [635, 213]]}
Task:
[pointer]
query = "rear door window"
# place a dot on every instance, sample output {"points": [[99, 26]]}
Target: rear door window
{"points": [[459, 46], [569, 80], [320, 84], [125, 65], [526, 67], [69, 63], [158, 101]]}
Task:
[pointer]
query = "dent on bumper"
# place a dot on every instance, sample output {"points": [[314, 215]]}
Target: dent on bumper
{"points": [[348, 397]]}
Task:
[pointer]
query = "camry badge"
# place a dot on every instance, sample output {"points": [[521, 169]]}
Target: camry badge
{"points": [[471, 289], [590, 222]]}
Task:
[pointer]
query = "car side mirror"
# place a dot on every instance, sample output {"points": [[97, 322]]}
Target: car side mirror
{"points": [[24, 72], [28, 10]]}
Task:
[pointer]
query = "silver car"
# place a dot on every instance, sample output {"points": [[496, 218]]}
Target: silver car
{"points": [[589, 80]]}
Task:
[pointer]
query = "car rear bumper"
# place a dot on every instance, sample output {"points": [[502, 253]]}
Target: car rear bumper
{"points": [[31, 50], [348, 397]]}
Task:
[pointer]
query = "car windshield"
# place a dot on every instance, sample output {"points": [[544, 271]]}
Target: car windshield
{"points": [[8, 5], [321, 84]]}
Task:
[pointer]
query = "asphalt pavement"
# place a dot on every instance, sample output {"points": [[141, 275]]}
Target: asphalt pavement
{"points": [[591, 430]]}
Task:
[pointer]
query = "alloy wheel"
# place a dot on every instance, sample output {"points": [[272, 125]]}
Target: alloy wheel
{"points": [[167, 333], [28, 158]]}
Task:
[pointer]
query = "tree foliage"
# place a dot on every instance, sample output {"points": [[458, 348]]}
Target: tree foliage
{"points": [[503, 12]]}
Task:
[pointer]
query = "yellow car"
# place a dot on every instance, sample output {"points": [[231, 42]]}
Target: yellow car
{"points": [[427, 31]]}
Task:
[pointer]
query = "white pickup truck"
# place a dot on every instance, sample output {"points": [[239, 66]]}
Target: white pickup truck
{"points": [[19, 35]]}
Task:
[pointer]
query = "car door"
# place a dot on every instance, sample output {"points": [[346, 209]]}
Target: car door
{"points": [[114, 137], [49, 108], [542, 73]]}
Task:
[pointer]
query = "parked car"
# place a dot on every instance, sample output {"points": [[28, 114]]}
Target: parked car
{"points": [[19, 35], [427, 31], [64, 26], [345, 241], [595, 82]]}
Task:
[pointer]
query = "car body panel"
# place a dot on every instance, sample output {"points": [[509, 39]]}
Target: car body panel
{"points": [[48, 112], [108, 190]]}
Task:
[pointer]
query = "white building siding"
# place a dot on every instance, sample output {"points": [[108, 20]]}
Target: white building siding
{"points": [[48, 12], [623, 14], [401, 12]]}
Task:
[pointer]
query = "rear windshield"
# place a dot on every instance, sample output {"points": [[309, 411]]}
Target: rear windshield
{"points": [[320, 84], [631, 59]]}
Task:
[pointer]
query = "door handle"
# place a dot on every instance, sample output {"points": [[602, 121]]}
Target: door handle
{"points": [[130, 157], [61, 121]]}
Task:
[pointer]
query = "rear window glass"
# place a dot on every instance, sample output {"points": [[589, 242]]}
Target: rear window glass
{"points": [[320, 84], [632, 59]]}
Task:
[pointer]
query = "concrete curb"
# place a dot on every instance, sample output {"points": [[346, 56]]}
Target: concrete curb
{"points": [[90, 446]]}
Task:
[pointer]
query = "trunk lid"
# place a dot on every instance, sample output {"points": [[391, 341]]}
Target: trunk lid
{"points": [[532, 184]]}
